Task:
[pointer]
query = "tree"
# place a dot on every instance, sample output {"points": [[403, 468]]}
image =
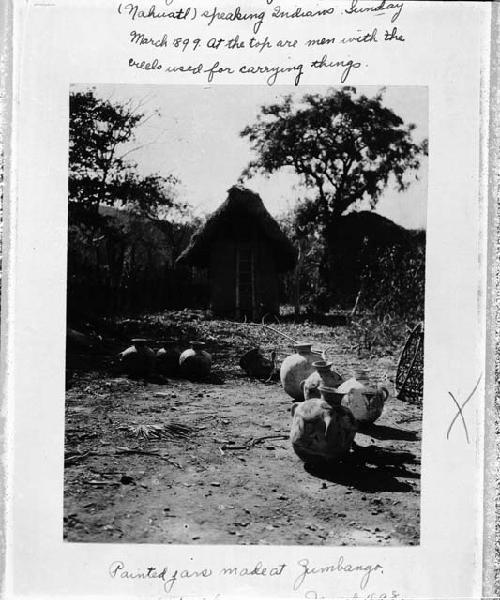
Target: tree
{"points": [[303, 286], [345, 147], [99, 171], [117, 259]]}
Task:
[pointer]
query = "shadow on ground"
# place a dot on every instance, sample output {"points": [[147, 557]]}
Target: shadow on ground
{"points": [[368, 469], [385, 432]]}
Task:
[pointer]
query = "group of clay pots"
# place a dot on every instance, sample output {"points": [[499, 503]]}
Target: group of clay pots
{"points": [[328, 410], [141, 361]]}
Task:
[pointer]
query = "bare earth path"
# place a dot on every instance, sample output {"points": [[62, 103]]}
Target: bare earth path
{"points": [[235, 478]]}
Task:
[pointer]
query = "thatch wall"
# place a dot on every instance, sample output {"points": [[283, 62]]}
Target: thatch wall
{"points": [[244, 250], [355, 241], [223, 281]]}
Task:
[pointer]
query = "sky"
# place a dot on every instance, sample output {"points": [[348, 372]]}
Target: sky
{"points": [[196, 138]]}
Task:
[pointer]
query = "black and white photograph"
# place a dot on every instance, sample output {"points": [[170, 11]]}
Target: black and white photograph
{"points": [[245, 314], [247, 311]]}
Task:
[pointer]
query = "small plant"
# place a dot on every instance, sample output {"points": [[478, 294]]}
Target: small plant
{"points": [[148, 432]]}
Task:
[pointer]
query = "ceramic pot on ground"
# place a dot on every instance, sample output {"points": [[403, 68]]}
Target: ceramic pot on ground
{"points": [[139, 359], [167, 359], [322, 430], [322, 375], [255, 364], [296, 368], [365, 400], [195, 362]]}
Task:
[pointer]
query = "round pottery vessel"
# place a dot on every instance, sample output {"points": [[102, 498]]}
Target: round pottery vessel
{"points": [[365, 401], [138, 360], [323, 375], [195, 362], [167, 359], [296, 368], [321, 431]]}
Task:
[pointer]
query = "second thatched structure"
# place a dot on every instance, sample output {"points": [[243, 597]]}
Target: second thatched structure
{"points": [[244, 250]]}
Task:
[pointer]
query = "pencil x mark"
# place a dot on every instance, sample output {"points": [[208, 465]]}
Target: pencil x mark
{"points": [[460, 411]]}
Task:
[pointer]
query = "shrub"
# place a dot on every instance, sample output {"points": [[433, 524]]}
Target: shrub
{"points": [[393, 282]]}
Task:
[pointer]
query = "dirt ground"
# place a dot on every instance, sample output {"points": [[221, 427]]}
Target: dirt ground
{"points": [[223, 471]]}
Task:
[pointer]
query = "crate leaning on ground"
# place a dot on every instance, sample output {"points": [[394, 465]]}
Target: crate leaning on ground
{"points": [[410, 372]]}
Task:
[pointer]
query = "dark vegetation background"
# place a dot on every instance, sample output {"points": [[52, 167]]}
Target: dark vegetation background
{"points": [[127, 229]]}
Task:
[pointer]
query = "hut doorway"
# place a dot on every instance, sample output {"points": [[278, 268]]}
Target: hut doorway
{"points": [[245, 281]]}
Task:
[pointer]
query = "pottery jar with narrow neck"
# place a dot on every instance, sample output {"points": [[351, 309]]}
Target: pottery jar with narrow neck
{"points": [[195, 362], [138, 360], [323, 374], [322, 430], [365, 400], [296, 368]]}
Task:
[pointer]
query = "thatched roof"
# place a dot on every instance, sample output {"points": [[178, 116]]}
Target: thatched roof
{"points": [[354, 227], [241, 214]]}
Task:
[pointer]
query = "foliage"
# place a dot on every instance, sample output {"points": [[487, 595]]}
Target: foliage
{"points": [[125, 228], [99, 171], [345, 147], [393, 282], [389, 280], [303, 286], [125, 263], [375, 334]]}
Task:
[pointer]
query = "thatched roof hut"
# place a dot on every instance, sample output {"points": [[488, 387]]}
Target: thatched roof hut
{"points": [[242, 214], [244, 249], [358, 240]]}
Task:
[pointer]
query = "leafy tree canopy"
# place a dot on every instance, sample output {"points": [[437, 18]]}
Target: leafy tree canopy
{"points": [[99, 170], [344, 146]]}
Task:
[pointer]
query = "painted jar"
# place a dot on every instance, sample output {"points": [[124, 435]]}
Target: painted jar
{"points": [[138, 360], [323, 374], [322, 429], [195, 362], [167, 358], [296, 368], [364, 400]]}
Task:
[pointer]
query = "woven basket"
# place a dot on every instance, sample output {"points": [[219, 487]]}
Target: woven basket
{"points": [[410, 373]]}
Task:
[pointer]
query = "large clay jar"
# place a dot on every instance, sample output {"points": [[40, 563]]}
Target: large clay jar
{"points": [[167, 359], [364, 400], [296, 368], [323, 375], [322, 429], [138, 360], [195, 362]]}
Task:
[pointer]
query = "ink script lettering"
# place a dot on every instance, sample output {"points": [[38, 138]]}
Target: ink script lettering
{"points": [[341, 566], [223, 36], [303, 574]]}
